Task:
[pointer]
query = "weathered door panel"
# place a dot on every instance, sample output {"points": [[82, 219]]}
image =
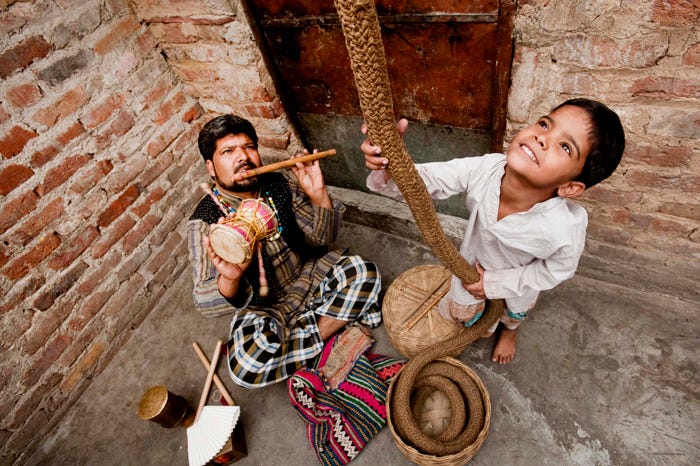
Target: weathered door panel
{"points": [[448, 63]]}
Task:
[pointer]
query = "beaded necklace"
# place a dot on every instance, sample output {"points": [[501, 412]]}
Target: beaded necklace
{"points": [[272, 205], [222, 202]]}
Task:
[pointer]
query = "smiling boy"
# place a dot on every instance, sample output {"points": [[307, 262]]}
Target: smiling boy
{"points": [[524, 234]]}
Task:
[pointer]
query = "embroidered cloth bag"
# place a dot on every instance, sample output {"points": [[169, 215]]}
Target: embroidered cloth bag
{"points": [[342, 397]]}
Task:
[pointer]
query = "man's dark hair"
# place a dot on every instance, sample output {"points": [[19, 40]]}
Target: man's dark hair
{"points": [[607, 140], [220, 127]]}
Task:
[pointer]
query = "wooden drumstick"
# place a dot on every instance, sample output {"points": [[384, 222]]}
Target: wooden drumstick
{"points": [[283, 164], [217, 380], [207, 383]]}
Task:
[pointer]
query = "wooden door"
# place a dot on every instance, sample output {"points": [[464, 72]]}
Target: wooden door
{"points": [[448, 63]]}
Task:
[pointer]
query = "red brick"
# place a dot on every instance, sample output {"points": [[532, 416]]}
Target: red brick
{"points": [[115, 233], [675, 183], [100, 113], [154, 196], [88, 309], [665, 87], [22, 55], [116, 310], [136, 236], [122, 30], [163, 162], [169, 108], [660, 223], [82, 338], [101, 273], [19, 267], [261, 94], [193, 113], [165, 252], [162, 140], [58, 288], [82, 370], [24, 95], [118, 206], [681, 209], [270, 110], [21, 292], [658, 155], [91, 177], [37, 222], [177, 172], [676, 13], [146, 42], [46, 324], [17, 208], [610, 196], [592, 52], [62, 107], [609, 233], [175, 33], [691, 57], [31, 403], [158, 92], [280, 142], [12, 176], [44, 156], [50, 354], [70, 251], [14, 141], [122, 123], [188, 141], [71, 133], [4, 257], [14, 324], [4, 116], [125, 173], [61, 173]]}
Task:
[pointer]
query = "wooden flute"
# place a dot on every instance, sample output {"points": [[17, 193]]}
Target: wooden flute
{"points": [[283, 164]]}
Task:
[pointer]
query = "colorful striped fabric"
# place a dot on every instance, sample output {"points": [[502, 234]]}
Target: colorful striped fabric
{"points": [[341, 421]]}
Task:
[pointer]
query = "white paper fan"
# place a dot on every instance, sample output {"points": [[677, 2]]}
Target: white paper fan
{"points": [[208, 435]]}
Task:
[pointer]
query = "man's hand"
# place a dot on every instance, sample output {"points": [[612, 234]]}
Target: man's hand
{"points": [[310, 178], [477, 289], [373, 158], [230, 274]]}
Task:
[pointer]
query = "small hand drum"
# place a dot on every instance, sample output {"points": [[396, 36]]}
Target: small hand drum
{"points": [[234, 239]]}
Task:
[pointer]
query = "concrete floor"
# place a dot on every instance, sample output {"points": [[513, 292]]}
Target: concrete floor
{"points": [[604, 375]]}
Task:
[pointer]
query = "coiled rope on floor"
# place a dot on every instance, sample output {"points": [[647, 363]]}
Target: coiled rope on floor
{"points": [[362, 33]]}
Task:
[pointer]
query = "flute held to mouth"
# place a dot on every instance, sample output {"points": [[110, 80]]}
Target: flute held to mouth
{"points": [[283, 164]]}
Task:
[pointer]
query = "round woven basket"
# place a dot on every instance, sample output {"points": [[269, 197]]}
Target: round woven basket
{"points": [[460, 458], [407, 299]]}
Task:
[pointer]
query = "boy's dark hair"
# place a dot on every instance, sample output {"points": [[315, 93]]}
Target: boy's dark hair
{"points": [[607, 139], [220, 127]]}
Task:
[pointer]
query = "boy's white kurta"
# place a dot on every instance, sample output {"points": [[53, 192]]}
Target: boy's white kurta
{"points": [[523, 253]]}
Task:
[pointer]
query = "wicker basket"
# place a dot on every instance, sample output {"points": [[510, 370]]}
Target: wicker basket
{"points": [[410, 310], [464, 456]]}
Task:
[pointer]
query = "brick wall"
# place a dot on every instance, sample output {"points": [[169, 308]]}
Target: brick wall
{"points": [[101, 102], [643, 60], [96, 137]]}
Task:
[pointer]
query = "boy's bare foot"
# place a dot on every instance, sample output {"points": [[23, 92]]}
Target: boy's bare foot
{"points": [[504, 351]]}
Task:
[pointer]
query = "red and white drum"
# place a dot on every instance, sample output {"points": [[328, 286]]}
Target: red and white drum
{"points": [[234, 239]]}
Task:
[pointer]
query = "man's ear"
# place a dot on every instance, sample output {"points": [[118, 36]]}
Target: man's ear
{"points": [[210, 168], [571, 189]]}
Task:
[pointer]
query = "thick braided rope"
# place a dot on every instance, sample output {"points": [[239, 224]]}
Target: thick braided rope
{"points": [[363, 40]]}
